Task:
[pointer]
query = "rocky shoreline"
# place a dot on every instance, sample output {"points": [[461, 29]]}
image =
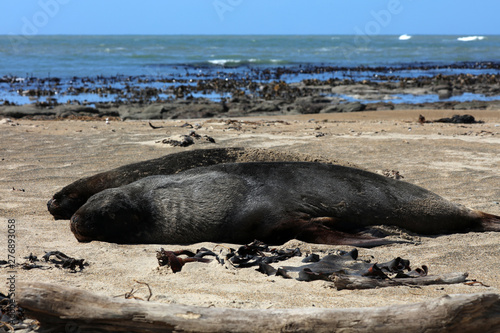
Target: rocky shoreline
{"points": [[208, 109], [265, 92]]}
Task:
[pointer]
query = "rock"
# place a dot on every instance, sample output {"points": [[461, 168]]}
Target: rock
{"points": [[493, 106], [244, 99], [444, 93], [474, 105], [140, 113], [311, 104], [313, 99], [346, 107], [172, 111], [379, 106], [26, 111], [264, 107], [309, 108], [331, 109], [291, 109], [352, 107], [441, 87], [195, 110], [179, 141], [64, 110], [155, 111]]}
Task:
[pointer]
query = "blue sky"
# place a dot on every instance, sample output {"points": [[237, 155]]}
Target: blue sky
{"points": [[458, 17]]}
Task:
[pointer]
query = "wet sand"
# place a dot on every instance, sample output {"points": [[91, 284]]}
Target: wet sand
{"points": [[461, 162]]}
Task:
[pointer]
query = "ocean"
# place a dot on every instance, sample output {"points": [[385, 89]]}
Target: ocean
{"points": [[24, 58]]}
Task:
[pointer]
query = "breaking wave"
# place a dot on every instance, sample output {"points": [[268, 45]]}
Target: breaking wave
{"points": [[404, 37], [470, 38]]}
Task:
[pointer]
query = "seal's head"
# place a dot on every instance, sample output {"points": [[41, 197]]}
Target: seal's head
{"points": [[109, 216], [63, 206], [67, 201]]}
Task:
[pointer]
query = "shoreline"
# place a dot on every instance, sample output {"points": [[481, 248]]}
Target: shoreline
{"points": [[200, 92], [203, 109], [243, 98]]}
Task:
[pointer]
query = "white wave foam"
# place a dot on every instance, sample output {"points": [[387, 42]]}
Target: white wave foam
{"points": [[223, 61], [405, 37], [470, 38], [113, 49]]}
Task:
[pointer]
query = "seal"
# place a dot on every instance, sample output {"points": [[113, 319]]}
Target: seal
{"points": [[273, 202], [65, 202]]}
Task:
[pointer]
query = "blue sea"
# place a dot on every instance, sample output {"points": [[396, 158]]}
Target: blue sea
{"points": [[24, 58]]}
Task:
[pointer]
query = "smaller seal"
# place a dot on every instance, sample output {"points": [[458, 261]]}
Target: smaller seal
{"points": [[65, 202]]}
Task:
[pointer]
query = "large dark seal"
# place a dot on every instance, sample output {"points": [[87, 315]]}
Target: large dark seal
{"points": [[272, 202], [65, 202]]}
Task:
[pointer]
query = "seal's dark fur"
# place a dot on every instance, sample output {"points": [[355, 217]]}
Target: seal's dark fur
{"points": [[65, 202], [272, 202]]}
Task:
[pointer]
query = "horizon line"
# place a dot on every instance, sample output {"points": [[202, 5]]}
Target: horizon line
{"points": [[257, 34]]}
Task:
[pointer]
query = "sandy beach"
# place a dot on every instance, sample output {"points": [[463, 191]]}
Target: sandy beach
{"points": [[460, 162]]}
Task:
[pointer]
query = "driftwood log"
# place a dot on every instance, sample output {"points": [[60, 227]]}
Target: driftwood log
{"points": [[81, 311], [359, 282]]}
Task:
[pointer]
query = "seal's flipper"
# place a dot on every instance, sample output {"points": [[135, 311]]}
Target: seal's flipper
{"points": [[320, 234], [489, 222]]}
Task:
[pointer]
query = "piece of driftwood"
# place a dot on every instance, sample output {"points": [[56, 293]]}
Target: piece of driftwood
{"points": [[360, 282], [56, 306]]}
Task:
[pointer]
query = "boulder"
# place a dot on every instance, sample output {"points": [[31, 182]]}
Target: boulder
{"points": [[264, 107], [29, 110], [345, 107], [444, 93], [313, 99], [65, 110]]}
